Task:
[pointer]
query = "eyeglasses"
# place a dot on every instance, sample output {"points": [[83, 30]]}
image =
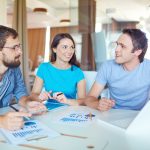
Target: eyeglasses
{"points": [[15, 47]]}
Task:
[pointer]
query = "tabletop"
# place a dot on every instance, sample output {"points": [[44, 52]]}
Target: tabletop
{"points": [[99, 134]]}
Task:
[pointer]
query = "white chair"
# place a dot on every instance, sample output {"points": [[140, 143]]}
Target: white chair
{"points": [[90, 78]]}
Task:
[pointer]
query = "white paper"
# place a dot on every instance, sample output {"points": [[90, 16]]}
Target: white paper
{"points": [[78, 118], [32, 129]]}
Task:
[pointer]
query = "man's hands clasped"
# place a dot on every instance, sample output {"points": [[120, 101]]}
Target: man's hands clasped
{"points": [[105, 104]]}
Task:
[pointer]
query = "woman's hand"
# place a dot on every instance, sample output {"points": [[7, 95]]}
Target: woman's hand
{"points": [[45, 95], [60, 97]]}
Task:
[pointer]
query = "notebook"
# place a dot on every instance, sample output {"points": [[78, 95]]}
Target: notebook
{"points": [[132, 122]]}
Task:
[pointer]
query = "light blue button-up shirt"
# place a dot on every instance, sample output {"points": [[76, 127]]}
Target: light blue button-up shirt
{"points": [[12, 86]]}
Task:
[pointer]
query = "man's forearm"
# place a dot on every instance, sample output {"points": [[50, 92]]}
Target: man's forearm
{"points": [[1, 121], [25, 99], [90, 101]]}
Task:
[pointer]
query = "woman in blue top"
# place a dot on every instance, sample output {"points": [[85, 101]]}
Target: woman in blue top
{"points": [[62, 78]]}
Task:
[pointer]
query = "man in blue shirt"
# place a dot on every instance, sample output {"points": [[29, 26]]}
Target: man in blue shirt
{"points": [[11, 81], [127, 77]]}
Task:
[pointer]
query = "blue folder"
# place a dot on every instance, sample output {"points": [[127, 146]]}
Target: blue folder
{"points": [[52, 104]]}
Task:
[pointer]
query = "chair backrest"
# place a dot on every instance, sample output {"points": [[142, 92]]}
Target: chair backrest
{"points": [[90, 78]]}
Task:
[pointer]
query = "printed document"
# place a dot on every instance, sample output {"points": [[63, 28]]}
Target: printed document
{"points": [[32, 130]]}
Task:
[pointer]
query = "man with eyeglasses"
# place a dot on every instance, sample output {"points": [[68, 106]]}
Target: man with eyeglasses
{"points": [[11, 80], [127, 76]]}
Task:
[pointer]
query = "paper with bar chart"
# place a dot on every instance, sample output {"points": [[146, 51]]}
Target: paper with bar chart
{"points": [[77, 118], [32, 130]]}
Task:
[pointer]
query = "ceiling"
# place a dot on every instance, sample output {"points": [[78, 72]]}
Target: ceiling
{"points": [[127, 10]]}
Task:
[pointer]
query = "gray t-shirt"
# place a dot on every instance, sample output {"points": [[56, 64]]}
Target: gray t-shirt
{"points": [[129, 89]]}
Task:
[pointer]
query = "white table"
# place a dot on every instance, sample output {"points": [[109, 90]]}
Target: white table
{"points": [[100, 135]]}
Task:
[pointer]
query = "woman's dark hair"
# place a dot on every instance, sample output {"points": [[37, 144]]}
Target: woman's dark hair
{"points": [[139, 41], [54, 44]]}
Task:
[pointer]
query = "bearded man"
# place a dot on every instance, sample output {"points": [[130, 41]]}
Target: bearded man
{"points": [[11, 80]]}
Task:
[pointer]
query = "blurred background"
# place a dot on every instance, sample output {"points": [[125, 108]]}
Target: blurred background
{"points": [[94, 24]]}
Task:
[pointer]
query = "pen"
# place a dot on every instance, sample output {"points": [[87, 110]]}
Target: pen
{"points": [[34, 147], [14, 108], [59, 94], [29, 146], [75, 136], [17, 110], [36, 138], [90, 115]]}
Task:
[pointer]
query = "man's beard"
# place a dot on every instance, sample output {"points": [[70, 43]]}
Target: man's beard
{"points": [[12, 64]]}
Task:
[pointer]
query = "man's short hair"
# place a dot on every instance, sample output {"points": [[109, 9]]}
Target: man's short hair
{"points": [[5, 32], [139, 41]]}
